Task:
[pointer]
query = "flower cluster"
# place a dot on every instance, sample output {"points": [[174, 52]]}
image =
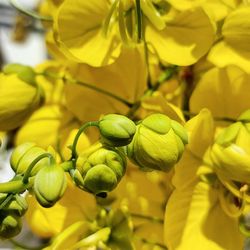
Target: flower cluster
{"points": [[136, 134]]}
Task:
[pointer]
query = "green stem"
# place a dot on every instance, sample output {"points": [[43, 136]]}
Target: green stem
{"points": [[105, 92], [146, 217], [12, 187], [6, 201], [89, 86], [33, 163], [165, 76], [30, 13], [80, 131]]}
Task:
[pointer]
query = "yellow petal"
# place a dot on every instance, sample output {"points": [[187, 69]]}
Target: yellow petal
{"points": [[185, 4], [201, 133], [78, 25], [185, 39], [223, 55], [194, 220], [65, 212], [125, 78], [49, 126], [18, 100], [225, 92], [236, 39], [158, 104], [52, 87]]}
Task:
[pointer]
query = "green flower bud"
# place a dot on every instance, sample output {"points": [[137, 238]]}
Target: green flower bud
{"points": [[102, 170], [158, 143], [24, 73], [10, 224], [18, 205], [19, 97], [49, 185], [230, 154], [116, 130], [23, 155]]}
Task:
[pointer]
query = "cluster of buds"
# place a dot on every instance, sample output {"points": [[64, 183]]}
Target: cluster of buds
{"points": [[156, 143], [102, 170], [10, 215], [49, 179]]}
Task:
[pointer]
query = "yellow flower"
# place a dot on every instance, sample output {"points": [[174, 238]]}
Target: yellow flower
{"points": [[52, 86], [111, 26], [18, 100], [195, 217], [126, 78], [233, 47], [224, 91]]}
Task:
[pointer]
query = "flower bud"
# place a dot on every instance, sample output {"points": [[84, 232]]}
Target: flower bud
{"points": [[23, 155], [19, 97], [102, 170], [49, 185], [158, 143], [24, 73], [10, 224], [230, 154], [116, 130], [18, 205]]}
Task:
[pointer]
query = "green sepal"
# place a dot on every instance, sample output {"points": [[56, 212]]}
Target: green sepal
{"points": [[116, 130], [10, 225], [100, 179], [229, 135], [159, 123], [180, 131], [24, 73], [18, 205]]}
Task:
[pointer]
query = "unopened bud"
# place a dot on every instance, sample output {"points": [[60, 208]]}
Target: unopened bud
{"points": [[102, 170], [116, 130], [23, 155], [10, 224], [158, 143], [49, 185]]}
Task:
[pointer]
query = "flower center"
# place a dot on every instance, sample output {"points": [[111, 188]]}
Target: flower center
{"points": [[129, 15]]}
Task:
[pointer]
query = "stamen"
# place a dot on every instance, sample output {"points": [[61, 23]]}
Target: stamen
{"points": [[152, 14], [138, 20], [231, 205], [122, 25], [107, 21]]}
